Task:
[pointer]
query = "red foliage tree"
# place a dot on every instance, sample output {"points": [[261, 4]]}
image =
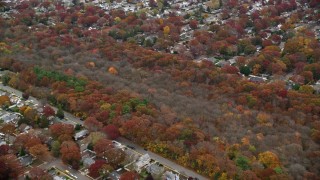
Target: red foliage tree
{"points": [[103, 116], [102, 147], [37, 173], [283, 93], [32, 141], [26, 141], [48, 111], [130, 175], [61, 129], [10, 167], [266, 43], [230, 69], [111, 131], [115, 156], [90, 20], [4, 149], [70, 154], [308, 76], [193, 24], [94, 169], [314, 3], [232, 3], [92, 124], [315, 69]]}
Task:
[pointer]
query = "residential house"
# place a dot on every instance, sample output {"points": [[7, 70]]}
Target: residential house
{"points": [[155, 169], [114, 175], [186, 35], [57, 178], [2, 142], [39, 109], [185, 28], [26, 160], [232, 60], [316, 87], [2, 93], [150, 39], [10, 117], [249, 30], [222, 63], [88, 153], [15, 99], [170, 176], [142, 162], [211, 59], [24, 128], [87, 161], [2, 135], [211, 19], [81, 134], [316, 30], [257, 79]]}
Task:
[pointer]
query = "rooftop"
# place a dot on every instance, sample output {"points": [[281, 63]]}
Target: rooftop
{"points": [[26, 160], [81, 134]]}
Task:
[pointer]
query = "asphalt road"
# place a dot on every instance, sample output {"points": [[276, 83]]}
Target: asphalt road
{"points": [[71, 119], [57, 163]]}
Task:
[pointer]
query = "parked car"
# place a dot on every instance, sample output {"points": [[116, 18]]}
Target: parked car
{"points": [[131, 147]]}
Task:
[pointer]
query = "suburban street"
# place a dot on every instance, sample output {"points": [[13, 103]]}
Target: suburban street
{"points": [[58, 163], [71, 119]]}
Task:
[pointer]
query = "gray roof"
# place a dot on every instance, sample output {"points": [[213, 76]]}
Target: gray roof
{"points": [[170, 176], [26, 160], [114, 175], [9, 117], [80, 134], [2, 142], [57, 178], [222, 63], [256, 78], [155, 169], [142, 161], [88, 161]]}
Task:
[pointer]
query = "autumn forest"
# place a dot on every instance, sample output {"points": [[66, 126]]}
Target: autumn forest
{"points": [[183, 106]]}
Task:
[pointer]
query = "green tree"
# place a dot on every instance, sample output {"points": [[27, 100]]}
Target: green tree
{"points": [[245, 70], [249, 49], [243, 162], [90, 146], [126, 109], [60, 113], [22, 152], [5, 79], [55, 148], [27, 177], [278, 170], [77, 127], [43, 122], [22, 120]]}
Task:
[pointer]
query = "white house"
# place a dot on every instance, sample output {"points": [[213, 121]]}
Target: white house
{"points": [[81, 134], [142, 161]]}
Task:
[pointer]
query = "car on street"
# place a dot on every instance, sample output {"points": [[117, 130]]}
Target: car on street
{"points": [[131, 147]]}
